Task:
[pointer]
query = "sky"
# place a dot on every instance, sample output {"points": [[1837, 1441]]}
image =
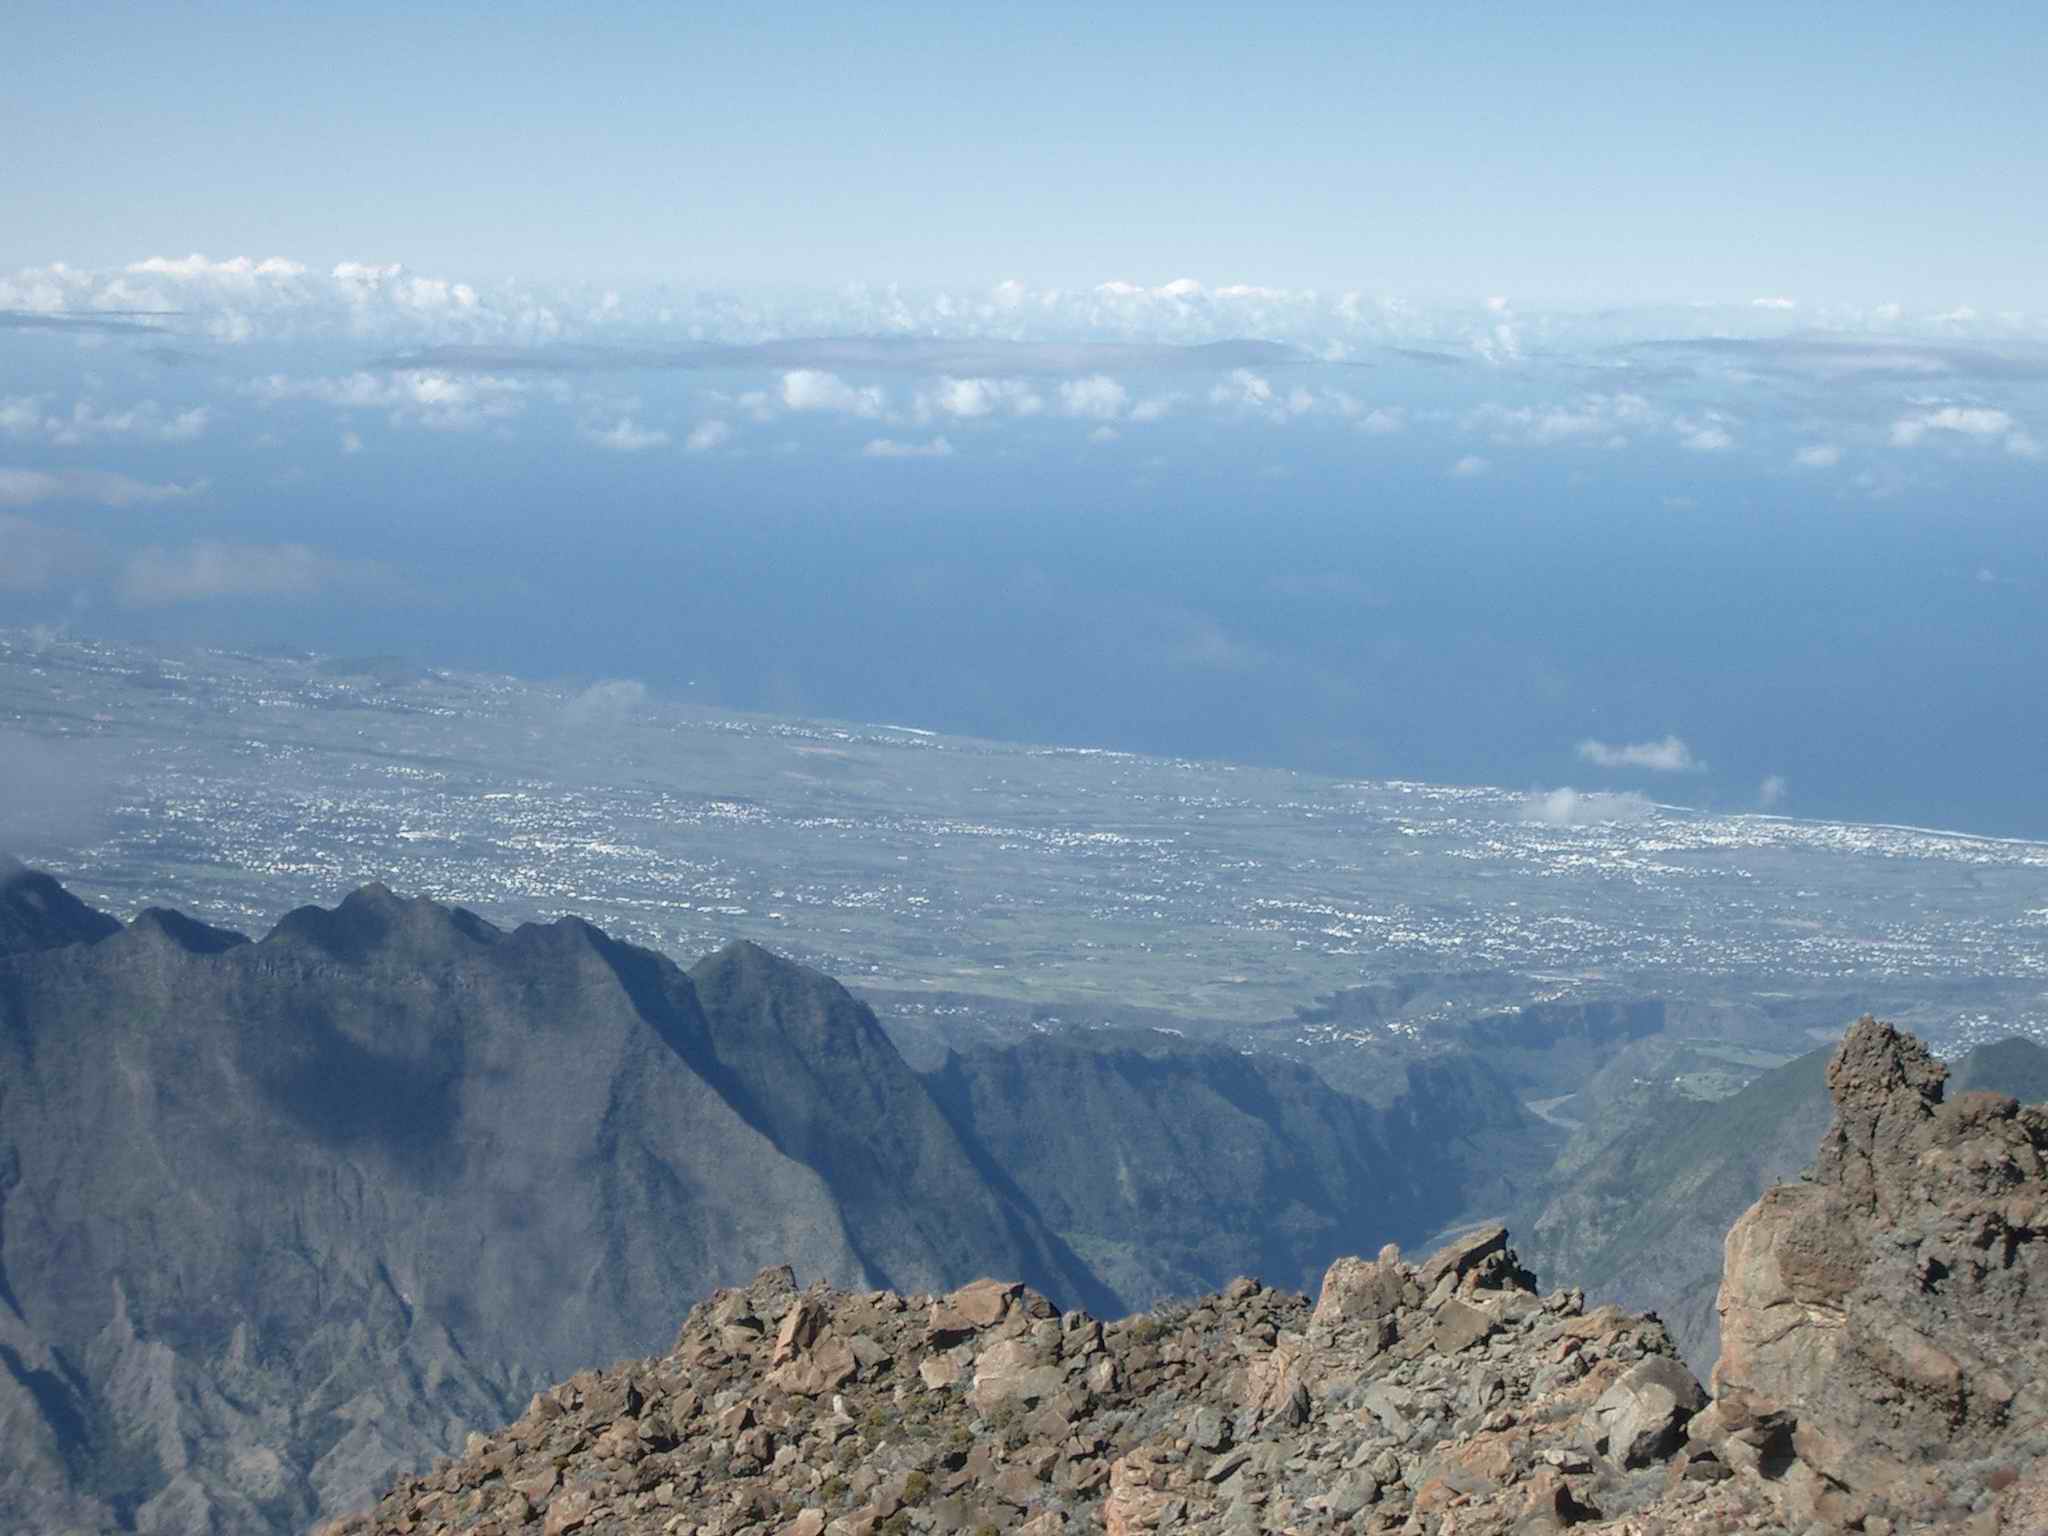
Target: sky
{"points": [[1593, 154], [1633, 402]]}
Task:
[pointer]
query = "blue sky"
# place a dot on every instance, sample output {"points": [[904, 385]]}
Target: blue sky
{"points": [[1649, 403], [1596, 154]]}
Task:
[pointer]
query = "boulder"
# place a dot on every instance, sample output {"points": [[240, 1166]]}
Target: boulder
{"points": [[1641, 1419]]}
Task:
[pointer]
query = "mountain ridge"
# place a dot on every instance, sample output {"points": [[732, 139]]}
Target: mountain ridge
{"points": [[278, 1216]]}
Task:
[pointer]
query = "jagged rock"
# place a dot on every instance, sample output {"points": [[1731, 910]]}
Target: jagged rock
{"points": [[1883, 1325], [800, 1327], [1355, 1291], [1456, 1259]]}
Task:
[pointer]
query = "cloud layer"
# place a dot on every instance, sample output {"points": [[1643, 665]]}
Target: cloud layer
{"points": [[241, 299]]}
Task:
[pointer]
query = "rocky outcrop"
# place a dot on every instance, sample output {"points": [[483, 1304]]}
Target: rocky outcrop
{"points": [[1884, 1355], [1443, 1396]]}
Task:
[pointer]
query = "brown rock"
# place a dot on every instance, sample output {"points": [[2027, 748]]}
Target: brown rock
{"points": [[800, 1328], [1459, 1256], [1355, 1291], [568, 1511], [1887, 1315], [970, 1309], [1274, 1386]]}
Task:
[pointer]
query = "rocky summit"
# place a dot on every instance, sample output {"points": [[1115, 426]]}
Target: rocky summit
{"points": [[1882, 1372], [1885, 1324]]}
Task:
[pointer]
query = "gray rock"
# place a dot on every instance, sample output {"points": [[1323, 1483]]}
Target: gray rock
{"points": [[1642, 1417], [1209, 1429]]}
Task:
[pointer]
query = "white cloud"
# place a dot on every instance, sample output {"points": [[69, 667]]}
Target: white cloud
{"points": [[965, 397], [25, 487], [813, 389], [1155, 409], [1470, 467], [1254, 394], [1774, 303], [156, 576], [351, 443], [428, 397], [971, 398], [627, 436], [1704, 436], [1095, 398], [278, 299], [1772, 791], [889, 448], [2023, 445], [234, 269], [1667, 756], [1244, 388], [1818, 456], [1499, 344], [707, 435], [1595, 415], [1573, 808], [366, 274], [1383, 421], [26, 416], [1965, 420]]}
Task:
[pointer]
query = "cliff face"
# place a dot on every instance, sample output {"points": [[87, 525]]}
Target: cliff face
{"points": [[1885, 1326]]}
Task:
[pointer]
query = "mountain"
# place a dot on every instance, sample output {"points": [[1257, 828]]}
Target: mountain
{"points": [[38, 913], [278, 1217], [1641, 1217], [1886, 1372], [1172, 1165]]}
